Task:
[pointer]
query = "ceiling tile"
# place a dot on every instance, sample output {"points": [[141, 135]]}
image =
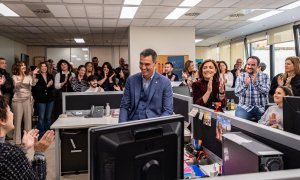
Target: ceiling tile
{"points": [[208, 3], [58, 29], [108, 30], [113, 1], [93, 1], [20, 21], [208, 13], [151, 2], [81, 22], [95, 22], [171, 2], [112, 11], [179, 22], [20, 29], [166, 22], [5, 21], [162, 12], [192, 23], [226, 3], [72, 1], [58, 10], [36, 21], [144, 12], [71, 29], [153, 22], [33, 29], [94, 11], [21, 9], [51, 21], [46, 29], [51, 1], [138, 22], [124, 22], [96, 30], [110, 22], [66, 22], [32, 1], [84, 30], [76, 10]]}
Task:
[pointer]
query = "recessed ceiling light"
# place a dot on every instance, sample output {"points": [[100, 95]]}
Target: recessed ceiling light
{"points": [[189, 3], [5, 11], [265, 15], [132, 2], [177, 13], [128, 12], [198, 40], [79, 40], [291, 6]]}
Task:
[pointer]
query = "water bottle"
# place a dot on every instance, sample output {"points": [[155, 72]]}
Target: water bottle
{"points": [[107, 109]]}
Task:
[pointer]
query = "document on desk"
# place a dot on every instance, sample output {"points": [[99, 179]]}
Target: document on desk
{"points": [[209, 168]]}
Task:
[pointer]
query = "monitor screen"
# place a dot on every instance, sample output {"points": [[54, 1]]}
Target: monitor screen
{"points": [[291, 114], [84, 100], [144, 149], [183, 90], [182, 105]]}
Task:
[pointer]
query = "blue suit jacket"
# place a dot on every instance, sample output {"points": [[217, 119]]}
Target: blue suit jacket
{"points": [[160, 100]]}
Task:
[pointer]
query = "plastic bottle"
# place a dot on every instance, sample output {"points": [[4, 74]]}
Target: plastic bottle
{"points": [[232, 104], [107, 109], [228, 105]]}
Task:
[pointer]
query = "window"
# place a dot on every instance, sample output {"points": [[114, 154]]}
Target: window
{"points": [[282, 51], [261, 49]]}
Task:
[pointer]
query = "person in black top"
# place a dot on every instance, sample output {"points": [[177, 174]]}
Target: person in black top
{"points": [[107, 77], [13, 161], [44, 97], [168, 72], [291, 77], [7, 86]]}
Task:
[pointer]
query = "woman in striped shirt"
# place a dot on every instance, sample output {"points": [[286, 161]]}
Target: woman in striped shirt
{"points": [[79, 83]]}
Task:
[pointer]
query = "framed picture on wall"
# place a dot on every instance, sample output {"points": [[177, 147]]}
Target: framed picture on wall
{"points": [[38, 59]]}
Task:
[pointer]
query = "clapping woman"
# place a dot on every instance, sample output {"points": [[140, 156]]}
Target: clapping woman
{"points": [[208, 89]]}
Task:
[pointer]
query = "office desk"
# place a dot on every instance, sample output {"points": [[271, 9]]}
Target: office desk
{"points": [[73, 123]]}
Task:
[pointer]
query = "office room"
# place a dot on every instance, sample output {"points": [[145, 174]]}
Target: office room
{"points": [[229, 68]]}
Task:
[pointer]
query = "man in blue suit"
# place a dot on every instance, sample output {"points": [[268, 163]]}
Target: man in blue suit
{"points": [[147, 94]]}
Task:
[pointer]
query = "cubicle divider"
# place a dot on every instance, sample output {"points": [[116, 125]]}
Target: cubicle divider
{"points": [[74, 101], [182, 105], [285, 142]]}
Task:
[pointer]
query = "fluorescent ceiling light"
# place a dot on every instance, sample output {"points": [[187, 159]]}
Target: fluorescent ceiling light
{"points": [[79, 40], [291, 6], [265, 15], [132, 2], [198, 40], [128, 12], [177, 13], [85, 49], [189, 3], [5, 11]]}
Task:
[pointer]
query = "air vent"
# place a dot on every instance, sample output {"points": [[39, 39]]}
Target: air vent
{"points": [[236, 15], [40, 10], [193, 14]]}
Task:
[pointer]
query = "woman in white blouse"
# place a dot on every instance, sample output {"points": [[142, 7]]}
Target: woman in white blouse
{"points": [[22, 102], [225, 76]]}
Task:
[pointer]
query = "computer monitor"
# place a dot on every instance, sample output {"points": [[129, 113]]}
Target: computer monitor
{"points": [[291, 114], [182, 105], [144, 149], [183, 90]]}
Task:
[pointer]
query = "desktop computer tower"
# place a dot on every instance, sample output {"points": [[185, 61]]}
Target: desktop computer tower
{"points": [[243, 154]]}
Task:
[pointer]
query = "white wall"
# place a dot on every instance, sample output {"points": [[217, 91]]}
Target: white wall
{"points": [[10, 50], [164, 40], [34, 51]]}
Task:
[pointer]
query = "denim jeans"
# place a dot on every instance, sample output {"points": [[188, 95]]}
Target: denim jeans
{"points": [[253, 115], [44, 112]]}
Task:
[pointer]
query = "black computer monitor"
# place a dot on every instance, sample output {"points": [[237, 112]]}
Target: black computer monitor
{"points": [[182, 105], [143, 149], [291, 114]]}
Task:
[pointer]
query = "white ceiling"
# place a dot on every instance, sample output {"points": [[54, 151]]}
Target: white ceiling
{"points": [[97, 21]]}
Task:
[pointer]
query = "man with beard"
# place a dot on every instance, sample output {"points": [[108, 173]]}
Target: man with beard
{"points": [[252, 88], [92, 80], [168, 72]]}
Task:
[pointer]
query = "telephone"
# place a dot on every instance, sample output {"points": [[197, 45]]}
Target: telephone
{"points": [[97, 111]]}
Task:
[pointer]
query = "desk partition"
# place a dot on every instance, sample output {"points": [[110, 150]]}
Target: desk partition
{"points": [[285, 142], [73, 101]]}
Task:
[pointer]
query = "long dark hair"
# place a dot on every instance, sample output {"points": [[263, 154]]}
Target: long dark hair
{"points": [[3, 106], [217, 74], [58, 66], [17, 67], [108, 65]]}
